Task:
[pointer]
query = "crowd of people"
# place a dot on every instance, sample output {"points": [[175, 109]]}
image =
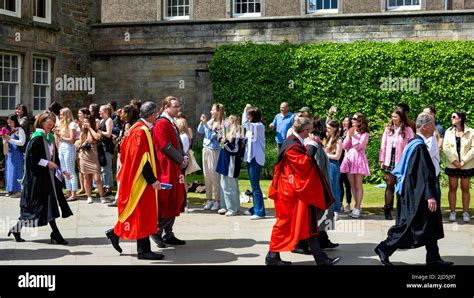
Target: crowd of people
{"points": [[153, 156]]}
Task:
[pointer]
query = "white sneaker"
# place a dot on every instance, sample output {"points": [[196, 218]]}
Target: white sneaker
{"points": [[355, 213], [255, 217], [215, 206], [466, 217], [222, 211], [208, 205], [336, 216], [89, 201], [103, 200], [230, 213], [246, 212], [347, 208], [452, 216]]}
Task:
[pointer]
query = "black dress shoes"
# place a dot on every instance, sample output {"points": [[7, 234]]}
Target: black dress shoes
{"points": [[150, 256], [17, 235], [329, 244], [439, 263], [329, 261], [383, 257], [158, 240], [174, 241], [114, 239], [273, 259], [56, 238]]}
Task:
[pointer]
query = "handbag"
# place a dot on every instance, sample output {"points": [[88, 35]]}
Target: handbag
{"points": [[193, 166]]}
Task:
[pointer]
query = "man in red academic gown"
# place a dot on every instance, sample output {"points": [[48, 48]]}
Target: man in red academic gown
{"points": [[171, 160], [300, 193], [138, 188]]}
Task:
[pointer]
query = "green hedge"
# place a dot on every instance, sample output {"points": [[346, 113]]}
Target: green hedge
{"points": [[349, 76]]}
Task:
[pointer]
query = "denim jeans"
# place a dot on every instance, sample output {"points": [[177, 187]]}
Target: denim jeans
{"points": [[254, 173], [334, 174]]}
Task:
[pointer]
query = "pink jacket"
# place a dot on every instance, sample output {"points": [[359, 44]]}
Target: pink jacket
{"points": [[358, 142], [400, 143]]}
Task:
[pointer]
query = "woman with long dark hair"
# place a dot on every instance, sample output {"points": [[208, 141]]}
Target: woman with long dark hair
{"points": [[395, 137], [42, 188], [344, 180], [355, 163], [14, 158], [458, 145]]}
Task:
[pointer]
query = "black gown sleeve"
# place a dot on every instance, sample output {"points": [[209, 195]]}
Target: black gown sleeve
{"points": [[147, 172]]}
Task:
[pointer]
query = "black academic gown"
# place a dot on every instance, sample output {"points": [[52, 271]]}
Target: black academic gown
{"points": [[416, 225], [42, 191]]}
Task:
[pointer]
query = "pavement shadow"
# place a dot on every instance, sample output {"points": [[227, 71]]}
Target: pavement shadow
{"points": [[209, 251], [362, 254], [37, 254], [80, 241]]}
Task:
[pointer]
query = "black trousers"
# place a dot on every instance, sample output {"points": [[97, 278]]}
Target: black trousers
{"points": [[165, 228], [431, 246], [143, 245]]}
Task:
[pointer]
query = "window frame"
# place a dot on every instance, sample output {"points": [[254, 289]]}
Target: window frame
{"points": [[403, 7], [16, 13], [324, 10], [33, 84], [248, 14], [46, 19], [172, 18], [18, 83]]}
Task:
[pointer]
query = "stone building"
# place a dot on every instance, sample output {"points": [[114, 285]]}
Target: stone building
{"points": [[40, 41], [153, 48]]}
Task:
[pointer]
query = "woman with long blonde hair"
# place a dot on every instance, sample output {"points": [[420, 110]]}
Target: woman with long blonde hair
{"points": [[212, 131], [67, 151]]}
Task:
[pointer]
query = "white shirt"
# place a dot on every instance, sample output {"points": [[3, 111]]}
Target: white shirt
{"points": [[21, 135], [185, 140], [150, 125], [433, 149]]}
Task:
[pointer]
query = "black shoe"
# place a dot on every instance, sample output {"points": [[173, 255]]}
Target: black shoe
{"points": [[114, 239], [113, 204], [17, 236], [439, 263], [383, 257], [174, 241], [329, 261], [150, 256], [158, 240], [56, 238], [273, 259], [329, 244], [300, 250]]}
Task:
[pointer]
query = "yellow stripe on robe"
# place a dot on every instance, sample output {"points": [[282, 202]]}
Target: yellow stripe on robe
{"points": [[139, 182]]}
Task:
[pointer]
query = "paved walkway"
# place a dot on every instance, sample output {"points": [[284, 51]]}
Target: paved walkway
{"points": [[212, 239]]}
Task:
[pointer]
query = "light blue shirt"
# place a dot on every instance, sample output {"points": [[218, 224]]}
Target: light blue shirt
{"points": [[210, 137], [255, 136], [282, 124]]}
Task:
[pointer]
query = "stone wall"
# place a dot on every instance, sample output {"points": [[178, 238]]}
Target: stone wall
{"points": [[66, 42], [129, 11]]}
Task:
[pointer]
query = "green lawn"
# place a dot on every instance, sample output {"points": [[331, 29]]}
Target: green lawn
{"points": [[373, 197]]}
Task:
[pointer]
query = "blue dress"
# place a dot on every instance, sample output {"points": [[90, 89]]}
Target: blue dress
{"points": [[13, 167]]}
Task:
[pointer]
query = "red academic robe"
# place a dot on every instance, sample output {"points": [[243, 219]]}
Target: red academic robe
{"points": [[171, 201], [296, 188], [137, 200]]}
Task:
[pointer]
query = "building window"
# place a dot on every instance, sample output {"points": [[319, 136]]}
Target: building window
{"points": [[9, 82], [11, 7], [322, 6], [42, 11], [403, 4], [247, 8], [177, 9], [41, 83]]}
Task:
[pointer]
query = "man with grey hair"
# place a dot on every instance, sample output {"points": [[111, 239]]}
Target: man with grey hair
{"points": [[138, 187], [419, 221]]}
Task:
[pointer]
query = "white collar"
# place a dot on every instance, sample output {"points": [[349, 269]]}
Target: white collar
{"points": [[149, 124], [424, 139], [299, 138], [168, 117]]}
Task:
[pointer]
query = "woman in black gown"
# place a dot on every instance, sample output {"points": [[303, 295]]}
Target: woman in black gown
{"points": [[42, 183]]}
